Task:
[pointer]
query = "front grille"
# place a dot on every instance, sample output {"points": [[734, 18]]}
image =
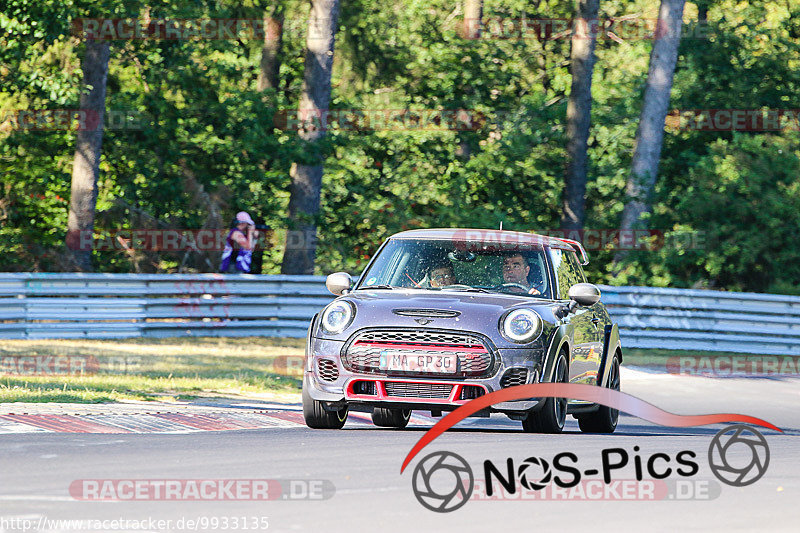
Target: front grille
{"points": [[418, 390], [514, 376], [422, 336], [363, 353], [327, 370]]}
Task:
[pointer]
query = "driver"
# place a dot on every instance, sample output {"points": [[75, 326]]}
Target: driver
{"points": [[442, 275], [516, 269]]}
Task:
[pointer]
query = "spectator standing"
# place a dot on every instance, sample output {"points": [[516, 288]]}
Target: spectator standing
{"points": [[237, 256]]}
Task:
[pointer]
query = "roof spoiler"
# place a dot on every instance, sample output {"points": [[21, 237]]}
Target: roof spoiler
{"points": [[578, 248]]}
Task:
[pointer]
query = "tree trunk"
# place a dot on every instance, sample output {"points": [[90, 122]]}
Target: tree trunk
{"points": [[650, 132], [269, 78], [271, 50], [473, 13], [579, 110], [702, 11], [471, 29], [85, 168], [306, 185]]}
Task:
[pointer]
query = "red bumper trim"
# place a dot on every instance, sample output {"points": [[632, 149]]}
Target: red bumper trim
{"points": [[382, 395]]}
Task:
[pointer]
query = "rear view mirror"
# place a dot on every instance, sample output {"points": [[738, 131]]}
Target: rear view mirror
{"points": [[339, 283]]}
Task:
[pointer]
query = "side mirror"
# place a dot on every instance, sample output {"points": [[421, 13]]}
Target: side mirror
{"points": [[584, 294], [339, 283]]}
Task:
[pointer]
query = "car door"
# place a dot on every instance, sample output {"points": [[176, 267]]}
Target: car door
{"points": [[585, 357], [598, 318], [602, 320]]}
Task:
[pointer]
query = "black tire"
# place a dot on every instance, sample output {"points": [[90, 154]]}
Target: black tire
{"points": [[551, 417], [604, 420], [317, 417], [390, 418]]}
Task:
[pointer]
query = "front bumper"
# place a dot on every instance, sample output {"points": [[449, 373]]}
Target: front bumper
{"points": [[436, 393]]}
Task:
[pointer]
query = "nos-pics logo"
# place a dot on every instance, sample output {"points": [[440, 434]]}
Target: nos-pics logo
{"points": [[443, 481]]}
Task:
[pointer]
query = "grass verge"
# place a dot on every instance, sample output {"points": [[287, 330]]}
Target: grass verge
{"points": [[177, 368], [147, 369]]}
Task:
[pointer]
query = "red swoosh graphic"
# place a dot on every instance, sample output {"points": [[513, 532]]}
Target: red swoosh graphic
{"points": [[591, 393]]}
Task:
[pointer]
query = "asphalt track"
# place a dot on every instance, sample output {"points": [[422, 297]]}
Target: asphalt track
{"points": [[363, 464]]}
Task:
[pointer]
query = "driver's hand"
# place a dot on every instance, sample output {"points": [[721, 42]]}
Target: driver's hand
{"points": [[534, 291]]}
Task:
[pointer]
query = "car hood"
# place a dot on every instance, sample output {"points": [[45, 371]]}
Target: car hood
{"points": [[474, 311]]}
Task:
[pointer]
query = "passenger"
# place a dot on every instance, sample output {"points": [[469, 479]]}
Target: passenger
{"points": [[442, 275]]}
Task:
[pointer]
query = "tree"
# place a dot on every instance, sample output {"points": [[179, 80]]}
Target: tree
{"points": [[88, 143], [271, 50], [473, 13], [579, 109], [650, 132], [306, 175]]}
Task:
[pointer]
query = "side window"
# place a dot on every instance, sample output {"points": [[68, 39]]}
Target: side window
{"points": [[576, 267], [568, 270]]}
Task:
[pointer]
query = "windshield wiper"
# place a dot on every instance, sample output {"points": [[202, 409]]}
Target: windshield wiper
{"points": [[370, 287]]}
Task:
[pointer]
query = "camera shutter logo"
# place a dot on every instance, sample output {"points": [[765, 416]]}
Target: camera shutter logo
{"points": [[732, 462], [443, 482], [527, 473]]}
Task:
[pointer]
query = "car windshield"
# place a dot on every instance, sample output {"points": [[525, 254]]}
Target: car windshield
{"points": [[475, 266]]}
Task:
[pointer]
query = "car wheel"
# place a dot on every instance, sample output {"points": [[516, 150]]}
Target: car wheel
{"points": [[604, 420], [390, 418], [317, 417], [550, 418]]}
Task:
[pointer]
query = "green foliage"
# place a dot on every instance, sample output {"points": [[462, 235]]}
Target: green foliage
{"points": [[198, 141], [206, 144], [744, 206]]}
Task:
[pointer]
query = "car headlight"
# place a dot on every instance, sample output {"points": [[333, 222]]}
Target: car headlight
{"points": [[521, 325], [337, 316]]}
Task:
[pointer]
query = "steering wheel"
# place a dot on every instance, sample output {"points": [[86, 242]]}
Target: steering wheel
{"points": [[514, 285]]}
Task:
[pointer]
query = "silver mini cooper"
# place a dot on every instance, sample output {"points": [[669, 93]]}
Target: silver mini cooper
{"points": [[442, 316]]}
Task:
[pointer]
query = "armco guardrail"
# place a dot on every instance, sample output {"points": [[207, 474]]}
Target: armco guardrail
{"points": [[682, 319], [45, 305], [37, 306]]}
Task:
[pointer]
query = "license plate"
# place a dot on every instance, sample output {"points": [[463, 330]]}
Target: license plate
{"points": [[405, 362]]}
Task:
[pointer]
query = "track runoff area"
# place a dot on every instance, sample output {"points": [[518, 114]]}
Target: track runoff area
{"points": [[246, 464]]}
